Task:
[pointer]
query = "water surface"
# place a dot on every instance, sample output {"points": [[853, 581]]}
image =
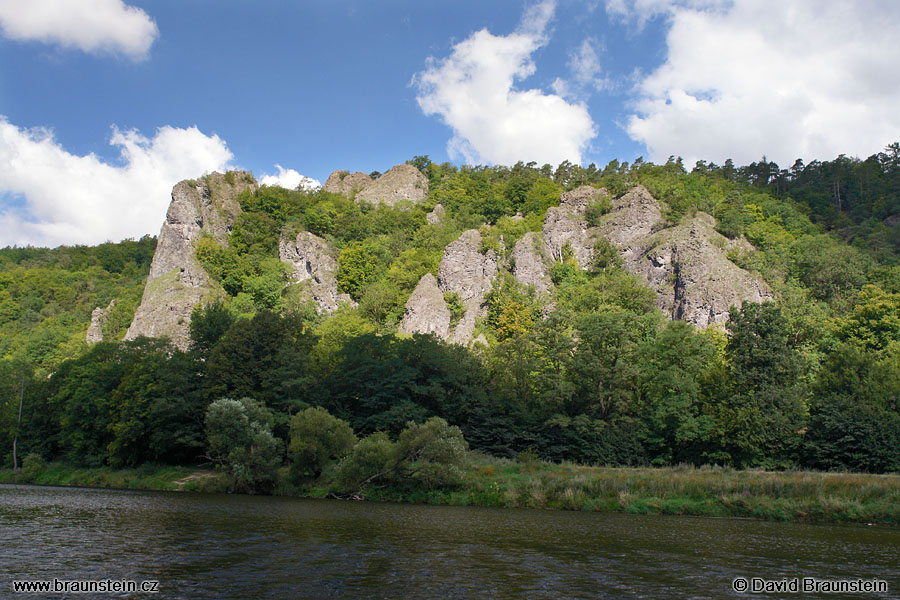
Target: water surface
{"points": [[245, 547]]}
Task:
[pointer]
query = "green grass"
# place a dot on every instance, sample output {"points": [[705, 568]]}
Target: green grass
{"points": [[145, 477], [802, 496], [710, 491]]}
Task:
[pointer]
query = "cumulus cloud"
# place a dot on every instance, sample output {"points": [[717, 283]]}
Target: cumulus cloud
{"points": [[785, 78], [290, 179], [473, 91], [641, 11], [93, 26], [63, 198], [586, 72]]}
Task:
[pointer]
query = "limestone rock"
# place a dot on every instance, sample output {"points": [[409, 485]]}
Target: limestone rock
{"points": [[312, 261], [346, 183], [633, 218], [436, 216], [469, 273], [566, 224], [688, 268], [99, 318], [479, 341], [403, 182], [177, 282], [530, 263], [581, 197], [426, 311]]}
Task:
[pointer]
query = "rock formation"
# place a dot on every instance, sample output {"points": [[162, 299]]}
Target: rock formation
{"points": [[177, 282], [463, 270], [688, 268], [402, 183], [687, 265], [426, 311], [566, 224], [530, 263], [313, 263], [346, 183], [634, 216], [469, 273], [437, 214], [99, 318]]}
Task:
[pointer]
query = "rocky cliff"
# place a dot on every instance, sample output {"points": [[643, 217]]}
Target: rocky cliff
{"points": [[402, 183], [313, 264], [346, 183], [177, 282], [99, 318], [687, 266], [464, 270]]}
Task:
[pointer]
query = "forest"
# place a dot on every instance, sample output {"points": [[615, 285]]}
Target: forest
{"points": [[810, 381]]}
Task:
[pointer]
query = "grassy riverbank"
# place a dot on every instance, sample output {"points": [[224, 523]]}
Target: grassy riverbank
{"points": [[709, 491]]}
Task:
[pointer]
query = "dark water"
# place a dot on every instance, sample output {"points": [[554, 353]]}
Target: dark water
{"points": [[215, 546]]}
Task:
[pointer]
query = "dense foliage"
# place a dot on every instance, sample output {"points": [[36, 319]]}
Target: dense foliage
{"points": [[46, 297], [604, 378]]}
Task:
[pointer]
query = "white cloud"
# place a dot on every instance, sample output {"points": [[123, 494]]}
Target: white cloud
{"points": [[473, 91], [785, 78], [586, 73], [72, 199], [91, 25], [290, 179], [641, 11]]}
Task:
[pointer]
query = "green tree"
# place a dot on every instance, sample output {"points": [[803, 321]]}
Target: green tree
{"points": [[762, 416], [240, 441], [854, 420], [316, 439], [208, 324], [673, 370]]}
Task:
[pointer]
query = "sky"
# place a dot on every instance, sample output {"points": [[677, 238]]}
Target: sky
{"points": [[106, 104]]}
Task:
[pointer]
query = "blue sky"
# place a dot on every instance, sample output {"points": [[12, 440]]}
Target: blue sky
{"points": [[105, 104]]}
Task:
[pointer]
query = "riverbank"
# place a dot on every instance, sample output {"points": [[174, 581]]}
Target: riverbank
{"points": [[803, 496]]}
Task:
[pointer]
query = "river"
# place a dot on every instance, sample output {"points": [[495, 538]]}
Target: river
{"points": [[247, 547]]}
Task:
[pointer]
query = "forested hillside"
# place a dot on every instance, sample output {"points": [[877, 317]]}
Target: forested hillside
{"points": [[46, 297], [594, 372]]}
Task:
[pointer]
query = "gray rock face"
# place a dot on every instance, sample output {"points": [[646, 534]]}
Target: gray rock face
{"points": [[530, 263], [688, 268], [177, 282], [437, 214], [469, 273], [426, 311], [313, 264], [99, 318], [565, 224], [403, 182], [633, 218], [348, 184]]}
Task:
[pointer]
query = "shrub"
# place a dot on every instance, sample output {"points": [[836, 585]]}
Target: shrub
{"points": [[32, 465], [372, 457], [317, 438], [239, 434], [596, 210]]}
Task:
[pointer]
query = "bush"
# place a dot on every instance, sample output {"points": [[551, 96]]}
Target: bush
{"points": [[32, 465], [371, 457], [433, 453], [317, 438], [455, 306], [596, 210], [239, 433]]}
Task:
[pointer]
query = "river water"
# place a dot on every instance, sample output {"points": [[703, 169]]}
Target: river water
{"points": [[246, 547]]}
